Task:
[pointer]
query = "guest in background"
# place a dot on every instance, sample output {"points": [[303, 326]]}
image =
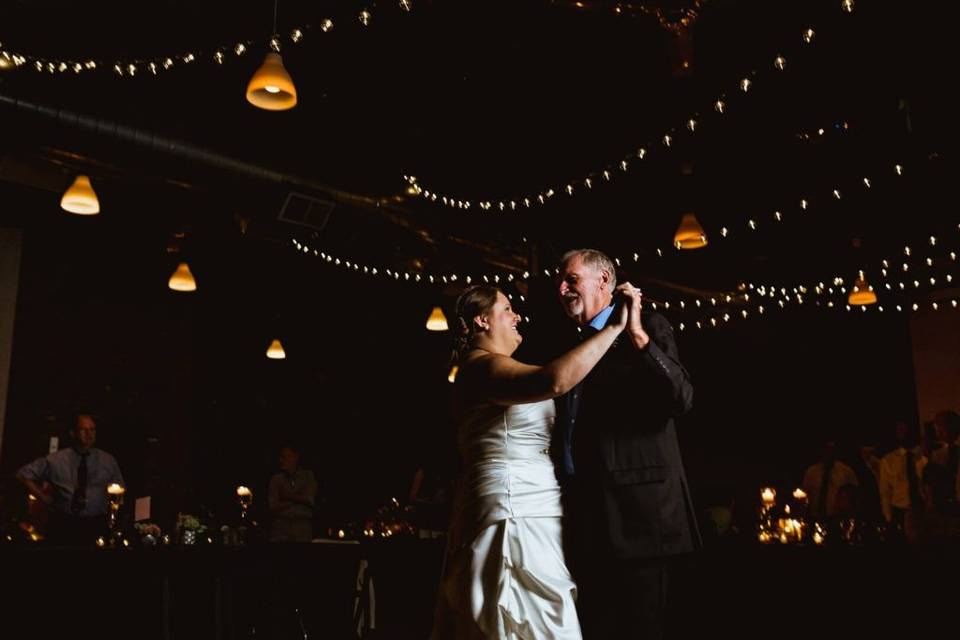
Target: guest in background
{"points": [[941, 480], [77, 478], [930, 440], [823, 481], [866, 464], [947, 424], [291, 495], [718, 514], [431, 495], [900, 489]]}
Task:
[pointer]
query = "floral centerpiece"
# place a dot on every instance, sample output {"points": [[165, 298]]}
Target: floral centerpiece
{"points": [[149, 532], [189, 527]]}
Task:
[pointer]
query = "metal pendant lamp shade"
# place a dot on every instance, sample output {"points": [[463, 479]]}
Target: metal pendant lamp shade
{"points": [[690, 234], [182, 279], [861, 293], [437, 321], [271, 87], [80, 198], [275, 351]]}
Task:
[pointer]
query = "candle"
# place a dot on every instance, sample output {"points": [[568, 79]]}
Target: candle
{"points": [[797, 527], [768, 496], [115, 490], [341, 534], [786, 509], [244, 492], [800, 494]]}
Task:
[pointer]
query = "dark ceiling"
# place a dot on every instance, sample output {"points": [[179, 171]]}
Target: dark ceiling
{"points": [[494, 101], [486, 99]]}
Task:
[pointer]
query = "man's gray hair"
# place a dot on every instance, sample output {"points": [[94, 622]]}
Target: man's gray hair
{"points": [[595, 259]]}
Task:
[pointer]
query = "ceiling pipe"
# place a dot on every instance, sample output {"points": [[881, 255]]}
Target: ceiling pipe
{"points": [[493, 255], [156, 142]]}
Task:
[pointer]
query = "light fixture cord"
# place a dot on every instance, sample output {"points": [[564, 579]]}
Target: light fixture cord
{"points": [[275, 3]]}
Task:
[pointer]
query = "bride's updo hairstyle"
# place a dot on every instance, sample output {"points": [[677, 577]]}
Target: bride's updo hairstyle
{"points": [[474, 301]]}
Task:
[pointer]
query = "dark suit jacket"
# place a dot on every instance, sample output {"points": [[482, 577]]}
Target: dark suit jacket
{"points": [[629, 495]]}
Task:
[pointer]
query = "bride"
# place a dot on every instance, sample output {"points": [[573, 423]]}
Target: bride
{"points": [[505, 576]]}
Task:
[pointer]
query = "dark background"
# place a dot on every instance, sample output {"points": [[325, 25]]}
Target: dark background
{"points": [[484, 100]]}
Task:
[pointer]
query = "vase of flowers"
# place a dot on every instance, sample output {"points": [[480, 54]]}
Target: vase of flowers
{"points": [[188, 528], [149, 533]]}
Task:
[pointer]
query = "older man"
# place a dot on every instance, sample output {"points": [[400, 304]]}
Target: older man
{"points": [[628, 506]]}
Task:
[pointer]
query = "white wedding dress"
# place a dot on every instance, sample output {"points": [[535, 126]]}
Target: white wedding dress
{"points": [[505, 575]]}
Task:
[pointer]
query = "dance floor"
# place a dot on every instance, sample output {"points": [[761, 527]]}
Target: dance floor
{"points": [[311, 591]]}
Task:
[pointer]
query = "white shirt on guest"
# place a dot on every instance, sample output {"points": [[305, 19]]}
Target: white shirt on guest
{"points": [[840, 475], [894, 485]]}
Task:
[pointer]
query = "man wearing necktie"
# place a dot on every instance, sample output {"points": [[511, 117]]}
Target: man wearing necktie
{"points": [[78, 477], [626, 500], [824, 482], [900, 473]]}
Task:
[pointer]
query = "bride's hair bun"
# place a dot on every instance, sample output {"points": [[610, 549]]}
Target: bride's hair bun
{"points": [[474, 301]]}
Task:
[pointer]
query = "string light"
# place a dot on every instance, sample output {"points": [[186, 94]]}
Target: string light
{"points": [[422, 277], [675, 21], [917, 284], [130, 67], [778, 216], [409, 276], [544, 196], [686, 18], [821, 132]]}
